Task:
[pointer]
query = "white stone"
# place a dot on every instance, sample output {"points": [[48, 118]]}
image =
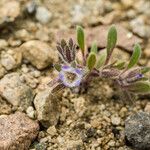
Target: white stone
{"points": [[43, 15]]}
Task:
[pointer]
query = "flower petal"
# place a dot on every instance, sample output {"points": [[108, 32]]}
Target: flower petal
{"points": [[70, 82]]}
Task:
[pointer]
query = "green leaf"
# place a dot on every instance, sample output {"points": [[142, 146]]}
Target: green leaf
{"points": [[145, 70], [57, 67], [135, 56], [91, 61], [94, 48], [111, 40], [140, 87], [120, 65], [101, 59], [80, 38]]}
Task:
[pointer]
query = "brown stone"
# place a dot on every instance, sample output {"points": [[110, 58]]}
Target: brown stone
{"points": [[39, 54], [17, 132], [9, 10]]}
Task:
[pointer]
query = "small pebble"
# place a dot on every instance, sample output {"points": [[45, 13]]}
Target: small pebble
{"points": [[43, 15], [30, 112], [115, 120], [52, 130]]}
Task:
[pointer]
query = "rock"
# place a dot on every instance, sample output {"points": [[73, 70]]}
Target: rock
{"points": [[128, 3], [43, 15], [111, 143], [131, 14], [47, 107], [137, 130], [52, 130], [71, 144], [143, 7], [40, 146], [8, 61], [30, 80], [2, 71], [126, 41], [36, 73], [31, 7], [139, 27], [42, 35], [115, 120], [5, 108], [39, 54], [31, 112], [15, 91], [147, 107], [78, 14], [17, 132], [9, 11], [110, 17], [79, 106], [3, 44], [147, 50], [11, 59], [23, 35]]}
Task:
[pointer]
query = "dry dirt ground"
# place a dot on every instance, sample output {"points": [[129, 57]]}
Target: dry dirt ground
{"points": [[29, 30]]}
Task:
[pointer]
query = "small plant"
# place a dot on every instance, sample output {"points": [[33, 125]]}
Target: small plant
{"points": [[74, 72]]}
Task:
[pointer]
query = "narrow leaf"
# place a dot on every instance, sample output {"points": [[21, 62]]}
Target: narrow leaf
{"points": [[135, 56], [70, 43], [140, 87], [63, 43], [145, 70], [101, 59], [91, 60], [120, 65], [80, 38], [111, 40], [68, 54], [94, 48]]}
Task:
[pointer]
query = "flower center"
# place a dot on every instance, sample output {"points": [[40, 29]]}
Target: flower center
{"points": [[71, 76]]}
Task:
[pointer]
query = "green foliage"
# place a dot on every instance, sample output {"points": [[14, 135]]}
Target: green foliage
{"points": [[91, 61], [111, 40], [120, 65], [145, 70], [135, 56], [101, 59], [80, 38], [57, 67], [94, 48], [141, 87], [94, 64]]}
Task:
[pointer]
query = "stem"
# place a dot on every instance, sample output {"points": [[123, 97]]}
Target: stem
{"points": [[108, 57], [84, 59]]}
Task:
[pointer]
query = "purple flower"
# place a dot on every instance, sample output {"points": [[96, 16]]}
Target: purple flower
{"points": [[139, 76], [70, 77]]}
